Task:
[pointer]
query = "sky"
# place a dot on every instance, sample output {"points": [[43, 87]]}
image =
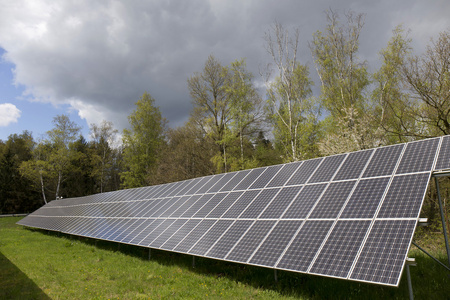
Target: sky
{"points": [[93, 60]]}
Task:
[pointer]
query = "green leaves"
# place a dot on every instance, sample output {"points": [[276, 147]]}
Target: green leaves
{"points": [[142, 143]]}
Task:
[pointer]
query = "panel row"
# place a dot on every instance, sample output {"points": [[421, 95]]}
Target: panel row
{"points": [[348, 216], [344, 199], [410, 158], [312, 246]]}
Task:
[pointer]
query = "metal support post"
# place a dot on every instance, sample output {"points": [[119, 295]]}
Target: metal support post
{"points": [[441, 208], [149, 254], [275, 275], [193, 262], [408, 275], [435, 259]]}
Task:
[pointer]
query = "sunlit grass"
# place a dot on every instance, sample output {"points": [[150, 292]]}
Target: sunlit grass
{"points": [[63, 267]]}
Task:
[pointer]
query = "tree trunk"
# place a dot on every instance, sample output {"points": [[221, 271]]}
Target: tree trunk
{"points": [[42, 188]]}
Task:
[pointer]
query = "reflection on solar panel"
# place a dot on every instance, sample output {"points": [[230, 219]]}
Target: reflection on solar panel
{"points": [[349, 216]]}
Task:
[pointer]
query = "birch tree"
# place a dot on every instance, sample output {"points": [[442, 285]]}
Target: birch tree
{"points": [[103, 137], [291, 109], [343, 77]]}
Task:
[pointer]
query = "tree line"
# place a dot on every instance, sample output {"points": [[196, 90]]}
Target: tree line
{"points": [[233, 126]]}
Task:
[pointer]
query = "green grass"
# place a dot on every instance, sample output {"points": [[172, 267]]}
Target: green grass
{"points": [[36, 264]]}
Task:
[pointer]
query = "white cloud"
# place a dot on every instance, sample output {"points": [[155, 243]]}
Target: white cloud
{"points": [[9, 113]]}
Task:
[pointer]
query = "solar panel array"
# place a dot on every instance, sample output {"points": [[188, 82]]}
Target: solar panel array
{"points": [[349, 216]]}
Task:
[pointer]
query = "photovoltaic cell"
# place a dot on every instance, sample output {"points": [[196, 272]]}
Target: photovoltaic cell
{"points": [[327, 168], [304, 171], [224, 180], [304, 246], [176, 238], [303, 203], [156, 232], [209, 184], [265, 177], [167, 232], [117, 223], [235, 181], [170, 209], [249, 179], [191, 185], [353, 165], [417, 156], [136, 223], [178, 188], [332, 200], [128, 238], [340, 249], [443, 161], [154, 206], [114, 235], [227, 241], [383, 161], [198, 185], [238, 207], [259, 203], [284, 174], [197, 205], [194, 235], [222, 207], [384, 253], [276, 208], [168, 189], [365, 199], [167, 203], [275, 243], [405, 196], [184, 206], [210, 237], [150, 227], [210, 205], [247, 245]]}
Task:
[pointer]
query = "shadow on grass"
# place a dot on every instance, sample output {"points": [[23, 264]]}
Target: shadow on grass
{"points": [[14, 284], [429, 280]]}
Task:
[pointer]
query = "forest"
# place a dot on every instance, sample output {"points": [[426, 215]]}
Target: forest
{"points": [[234, 126]]}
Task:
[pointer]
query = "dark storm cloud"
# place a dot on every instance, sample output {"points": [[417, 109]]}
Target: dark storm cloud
{"points": [[101, 56]]}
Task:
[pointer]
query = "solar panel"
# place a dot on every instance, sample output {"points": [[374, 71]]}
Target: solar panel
{"points": [[366, 198], [275, 243], [279, 204], [284, 174], [249, 241], [405, 196], [302, 174], [443, 161], [350, 216], [301, 251], [416, 158], [332, 201], [339, 251], [210, 237], [224, 244], [304, 202], [384, 252], [383, 161], [327, 168], [176, 238]]}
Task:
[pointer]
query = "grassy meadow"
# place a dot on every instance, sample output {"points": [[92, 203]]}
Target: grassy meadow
{"points": [[36, 264]]}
